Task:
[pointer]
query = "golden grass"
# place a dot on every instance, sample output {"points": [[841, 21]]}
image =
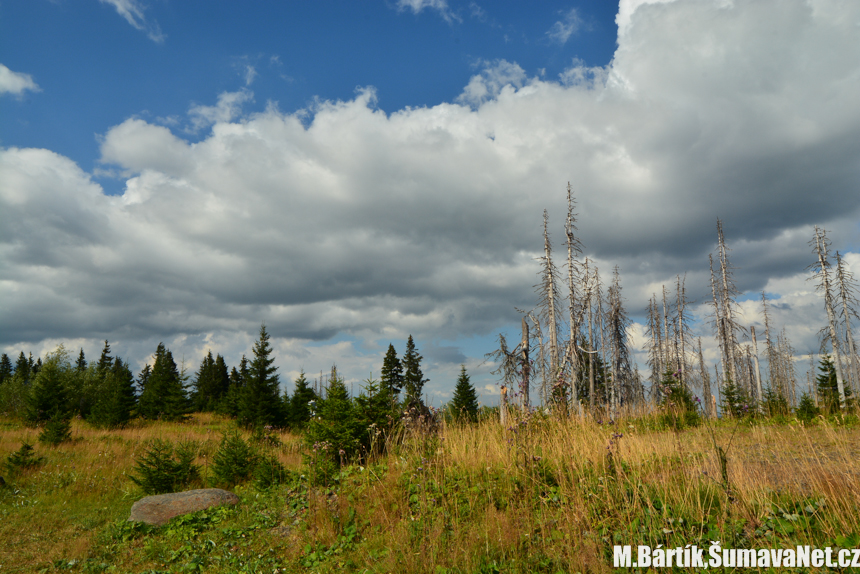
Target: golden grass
{"points": [[550, 492]]}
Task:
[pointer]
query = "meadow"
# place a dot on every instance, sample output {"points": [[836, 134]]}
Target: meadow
{"points": [[542, 494]]}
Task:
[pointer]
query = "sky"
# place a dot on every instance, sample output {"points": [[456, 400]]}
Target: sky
{"points": [[350, 173]]}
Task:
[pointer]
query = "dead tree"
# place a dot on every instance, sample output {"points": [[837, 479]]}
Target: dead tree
{"points": [[548, 303], [622, 390], [846, 289], [706, 384], [574, 249], [821, 272], [728, 293], [654, 346], [719, 323], [758, 394], [525, 366], [589, 294], [682, 329]]}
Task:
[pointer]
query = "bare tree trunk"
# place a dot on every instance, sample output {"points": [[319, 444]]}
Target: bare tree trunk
{"points": [[720, 324], [503, 406], [772, 362], [820, 249], [526, 366], [590, 296], [810, 377], [681, 306], [573, 248], [549, 285], [668, 359], [759, 395], [845, 284], [727, 293], [706, 383]]}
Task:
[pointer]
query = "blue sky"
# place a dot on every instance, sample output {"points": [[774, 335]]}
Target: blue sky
{"points": [[95, 69], [355, 172]]}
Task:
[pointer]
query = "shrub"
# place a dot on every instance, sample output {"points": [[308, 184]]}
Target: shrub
{"points": [[23, 458], [680, 408], [57, 430], [162, 469], [806, 409], [269, 472], [235, 460]]}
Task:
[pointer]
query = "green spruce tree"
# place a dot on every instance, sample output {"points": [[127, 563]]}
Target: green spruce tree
{"points": [[47, 397], [260, 403], [232, 401], [81, 364], [464, 405], [210, 384], [115, 404], [828, 391], [375, 409], [413, 378], [105, 361], [163, 396], [392, 371], [300, 403], [6, 369]]}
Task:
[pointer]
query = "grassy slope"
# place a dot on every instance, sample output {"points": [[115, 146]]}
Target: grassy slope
{"points": [[546, 497]]}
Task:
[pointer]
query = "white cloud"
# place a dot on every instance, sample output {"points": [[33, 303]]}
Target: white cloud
{"points": [[229, 106], [133, 13], [495, 77], [16, 83], [563, 29], [345, 221], [418, 6]]}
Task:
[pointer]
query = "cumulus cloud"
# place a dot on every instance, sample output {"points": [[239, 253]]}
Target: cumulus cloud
{"points": [[345, 221], [16, 83], [563, 29], [133, 11], [490, 82], [229, 106]]}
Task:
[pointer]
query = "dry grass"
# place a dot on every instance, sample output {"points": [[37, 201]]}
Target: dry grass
{"points": [[545, 495]]}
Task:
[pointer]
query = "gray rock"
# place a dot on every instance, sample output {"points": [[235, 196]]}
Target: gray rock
{"points": [[160, 508]]}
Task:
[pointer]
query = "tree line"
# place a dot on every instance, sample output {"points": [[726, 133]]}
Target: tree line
{"points": [[107, 394]]}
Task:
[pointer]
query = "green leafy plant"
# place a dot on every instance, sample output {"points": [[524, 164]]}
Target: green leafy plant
{"points": [[162, 468]]}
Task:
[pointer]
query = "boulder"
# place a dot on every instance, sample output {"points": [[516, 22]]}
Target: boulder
{"points": [[160, 508]]}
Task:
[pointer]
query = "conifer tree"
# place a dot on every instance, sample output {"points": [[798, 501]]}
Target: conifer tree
{"points": [[375, 410], [260, 401], [413, 378], [211, 383], [5, 368], [105, 361], [81, 364], [464, 404], [300, 407], [47, 397], [115, 404], [392, 371], [163, 396], [829, 397], [235, 389], [336, 422], [22, 368]]}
